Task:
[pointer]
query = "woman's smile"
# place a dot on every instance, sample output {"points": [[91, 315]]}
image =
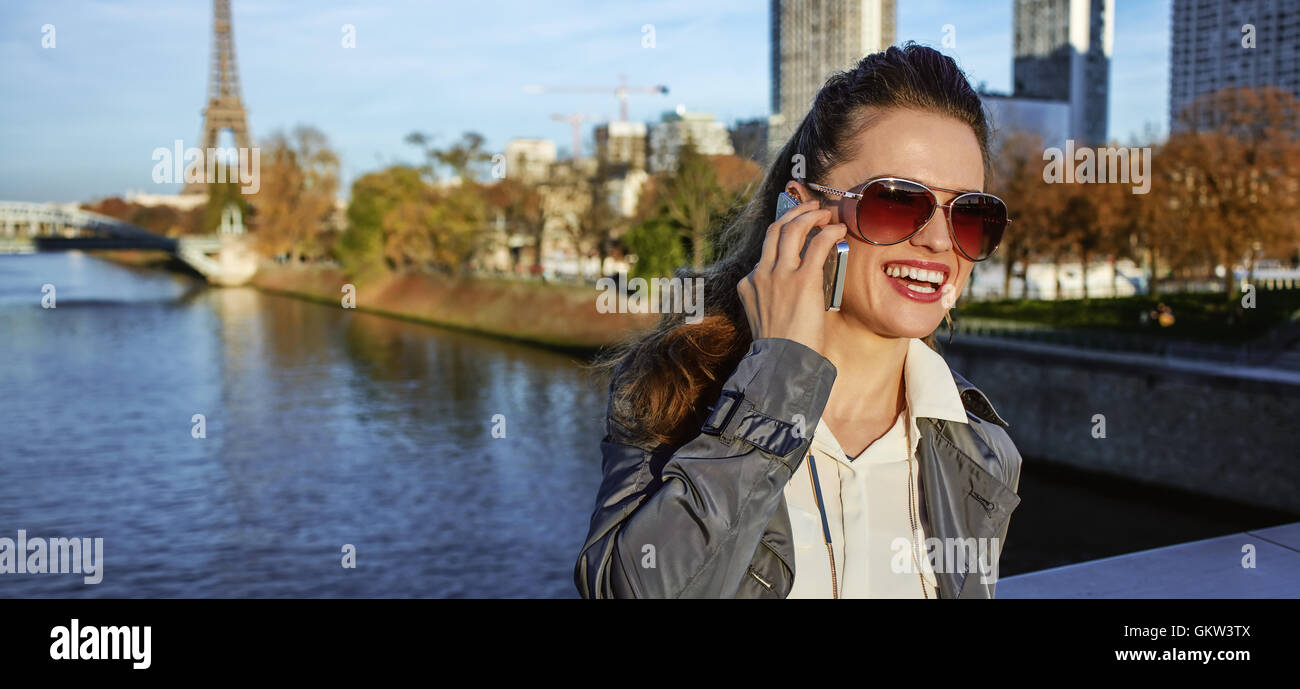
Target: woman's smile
{"points": [[920, 281]]}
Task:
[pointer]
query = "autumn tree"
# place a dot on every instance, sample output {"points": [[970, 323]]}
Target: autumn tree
{"points": [[365, 245], [1018, 180], [689, 204], [463, 158], [522, 210], [299, 182], [691, 201], [222, 195], [1236, 174]]}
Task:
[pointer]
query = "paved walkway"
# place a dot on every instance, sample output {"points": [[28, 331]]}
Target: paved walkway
{"points": [[1201, 569]]}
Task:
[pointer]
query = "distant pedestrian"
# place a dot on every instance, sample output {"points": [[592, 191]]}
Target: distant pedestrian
{"points": [[1164, 315]]}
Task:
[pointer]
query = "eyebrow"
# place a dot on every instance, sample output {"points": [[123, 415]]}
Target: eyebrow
{"points": [[913, 179]]}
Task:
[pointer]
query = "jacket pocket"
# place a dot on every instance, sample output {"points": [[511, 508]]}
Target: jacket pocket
{"points": [[761, 580]]}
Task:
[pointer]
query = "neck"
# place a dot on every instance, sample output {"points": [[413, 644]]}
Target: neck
{"points": [[869, 371]]}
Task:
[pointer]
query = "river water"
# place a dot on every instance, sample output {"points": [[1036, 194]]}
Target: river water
{"points": [[326, 427]]}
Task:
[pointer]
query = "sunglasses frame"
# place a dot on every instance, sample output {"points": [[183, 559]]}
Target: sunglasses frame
{"points": [[930, 189]]}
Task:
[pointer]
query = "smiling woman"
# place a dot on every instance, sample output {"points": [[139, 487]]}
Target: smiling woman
{"points": [[709, 424]]}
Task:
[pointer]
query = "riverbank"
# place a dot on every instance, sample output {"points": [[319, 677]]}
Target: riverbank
{"points": [[556, 316]]}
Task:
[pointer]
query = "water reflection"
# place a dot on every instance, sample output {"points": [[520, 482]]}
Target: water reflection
{"points": [[323, 427]]}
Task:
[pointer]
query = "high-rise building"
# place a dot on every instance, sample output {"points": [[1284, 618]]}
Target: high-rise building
{"points": [[529, 160], [1062, 52], [749, 138], [709, 136], [813, 39], [1218, 44], [622, 144], [1047, 119]]}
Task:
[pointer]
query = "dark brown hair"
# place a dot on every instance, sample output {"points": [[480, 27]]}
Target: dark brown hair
{"points": [[665, 379]]}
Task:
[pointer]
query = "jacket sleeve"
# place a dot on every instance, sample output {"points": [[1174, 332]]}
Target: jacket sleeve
{"points": [[1014, 469], [686, 525]]}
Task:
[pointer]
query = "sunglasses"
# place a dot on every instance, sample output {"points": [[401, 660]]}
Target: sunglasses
{"points": [[890, 210]]}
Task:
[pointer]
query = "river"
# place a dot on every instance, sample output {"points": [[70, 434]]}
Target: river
{"points": [[324, 427]]}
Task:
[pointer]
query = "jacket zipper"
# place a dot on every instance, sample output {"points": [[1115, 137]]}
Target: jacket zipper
{"points": [[987, 504], [761, 580]]}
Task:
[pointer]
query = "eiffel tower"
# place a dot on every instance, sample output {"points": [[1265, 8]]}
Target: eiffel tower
{"points": [[225, 108]]}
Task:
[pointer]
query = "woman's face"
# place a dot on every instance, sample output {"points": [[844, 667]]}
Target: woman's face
{"points": [[935, 150]]}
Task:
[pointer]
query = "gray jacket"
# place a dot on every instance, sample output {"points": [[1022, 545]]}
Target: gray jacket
{"points": [[708, 519]]}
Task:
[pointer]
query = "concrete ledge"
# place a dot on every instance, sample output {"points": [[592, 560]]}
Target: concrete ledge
{"points": [[1212, 429], [1201, 569], [1270, 378]]}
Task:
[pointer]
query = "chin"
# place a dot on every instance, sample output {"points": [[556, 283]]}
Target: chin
{"points": [[911, 327], [898, 324]]}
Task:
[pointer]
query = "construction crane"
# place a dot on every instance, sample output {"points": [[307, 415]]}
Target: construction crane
{"points": [[621, 92], [575, 120]]}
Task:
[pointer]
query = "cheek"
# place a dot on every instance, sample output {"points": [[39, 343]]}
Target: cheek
{"points": [[964, 273], [863, 259]]}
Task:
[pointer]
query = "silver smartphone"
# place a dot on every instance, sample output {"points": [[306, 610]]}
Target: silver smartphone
{"points": [[836, 262]]}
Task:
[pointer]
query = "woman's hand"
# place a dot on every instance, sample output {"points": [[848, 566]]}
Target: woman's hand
{"points": [[783, 295]]}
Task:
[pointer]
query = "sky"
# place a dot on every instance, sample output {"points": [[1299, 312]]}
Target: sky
{"points": [[81, 120]]}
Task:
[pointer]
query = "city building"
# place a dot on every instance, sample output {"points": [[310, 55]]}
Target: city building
{"points": [[622, 144], [749, 139], [624, 191], [813, 39], [1062, 52], [709, 136], [529, 160], [1209, 48], [1049, 119]]}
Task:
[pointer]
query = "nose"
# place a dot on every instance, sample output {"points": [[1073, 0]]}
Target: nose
{"points": [[937, 233]]}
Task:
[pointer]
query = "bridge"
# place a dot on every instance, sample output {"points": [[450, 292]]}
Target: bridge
{"points": [[222, 259]]}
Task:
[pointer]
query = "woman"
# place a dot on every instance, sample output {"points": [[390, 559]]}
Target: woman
{"points": [[778, 449]]}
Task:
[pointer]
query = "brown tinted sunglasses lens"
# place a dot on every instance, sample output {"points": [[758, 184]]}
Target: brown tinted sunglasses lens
{"points": [[978, 221], [890, 210]]}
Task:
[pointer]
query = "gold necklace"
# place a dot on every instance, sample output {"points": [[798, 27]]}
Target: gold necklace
{"points": [[821, 509]]}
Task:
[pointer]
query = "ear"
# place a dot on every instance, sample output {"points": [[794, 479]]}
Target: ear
{"points": [[803, 194], [798, 191]]}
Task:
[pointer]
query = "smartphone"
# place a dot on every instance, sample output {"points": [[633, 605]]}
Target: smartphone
{"points": [[836, 262]]}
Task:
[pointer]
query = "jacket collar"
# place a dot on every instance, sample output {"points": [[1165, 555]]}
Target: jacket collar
{"points": [[931, 391], [977, 402]]}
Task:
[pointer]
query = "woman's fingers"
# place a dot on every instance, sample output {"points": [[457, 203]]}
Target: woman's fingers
{"points": [[793, 235], [781, 299], [821, 245], [767, 261], [749, 298]]}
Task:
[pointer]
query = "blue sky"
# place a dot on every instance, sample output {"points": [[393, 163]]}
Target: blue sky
{"points": [[81, 120]]}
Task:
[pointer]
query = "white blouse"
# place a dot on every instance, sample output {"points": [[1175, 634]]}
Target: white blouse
{"points": [[877, 553]]}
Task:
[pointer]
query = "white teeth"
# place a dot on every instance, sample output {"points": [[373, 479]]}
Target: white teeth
{"points": [[923, 289], [897, 270]]}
